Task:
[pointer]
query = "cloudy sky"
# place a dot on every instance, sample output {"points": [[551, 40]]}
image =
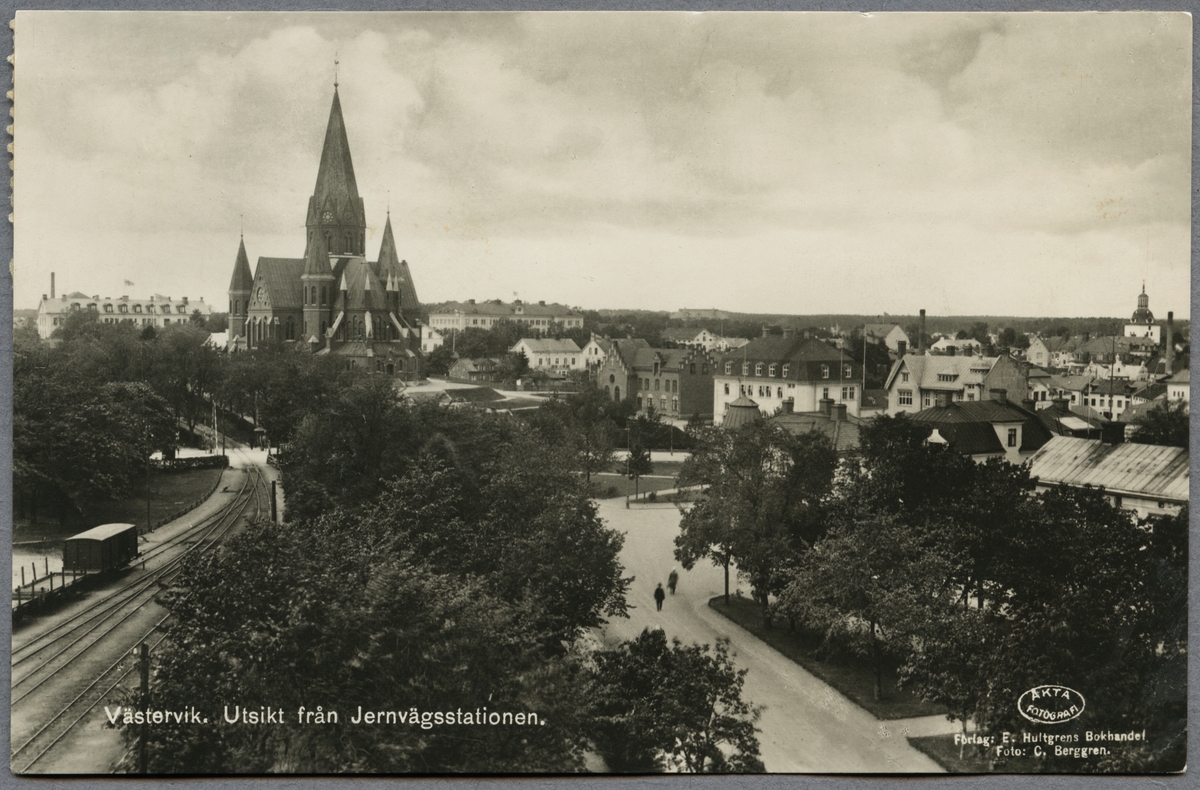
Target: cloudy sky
{"points": [[1027, 164]]}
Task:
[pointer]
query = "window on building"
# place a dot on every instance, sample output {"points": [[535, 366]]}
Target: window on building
{"points": [[1012, 437], [656, 383], [825, 393], [758, 368], [824, 371], [639, 401], [704, 368], [771, 370], [726, 389], [970, 396], [108, 308], [675, 385], [847, 371], [779, 393], [745, 368], [904, 378], [728, 368], [786, 368], [674, 404], [904, 397], [925, 401], [848, 393], [137, 308], [662, 404]]}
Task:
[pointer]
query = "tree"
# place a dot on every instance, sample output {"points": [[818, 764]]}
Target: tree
{"points": [[763, 503], [664, 706], [439, 361], [1165, 424]]}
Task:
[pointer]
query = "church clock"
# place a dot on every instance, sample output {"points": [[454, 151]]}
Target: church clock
{"points": [[327, 216]]}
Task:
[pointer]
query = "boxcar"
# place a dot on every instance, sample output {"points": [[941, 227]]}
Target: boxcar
{"points": [[101, 548]]}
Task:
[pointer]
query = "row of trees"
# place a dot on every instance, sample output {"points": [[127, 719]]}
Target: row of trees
{"points": [[956, 574], [438, 560]]}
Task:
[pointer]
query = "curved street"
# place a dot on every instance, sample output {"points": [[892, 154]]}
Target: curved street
{"points": [[806, 726]]}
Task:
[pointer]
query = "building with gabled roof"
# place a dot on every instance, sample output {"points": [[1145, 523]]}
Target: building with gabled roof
{"points": [[775, 369], [916, 379], [551, 355], [890, 335], [457, 316], [1147, 478], [156, 310], [982, 429], [1179, 386], [674, 382], [333, 300]]}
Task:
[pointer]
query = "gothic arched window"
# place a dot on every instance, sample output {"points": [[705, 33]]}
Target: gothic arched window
{"points": [[322, 296]]}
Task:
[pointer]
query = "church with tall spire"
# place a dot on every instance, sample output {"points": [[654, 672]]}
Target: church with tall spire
{"points": [[333, 300]]}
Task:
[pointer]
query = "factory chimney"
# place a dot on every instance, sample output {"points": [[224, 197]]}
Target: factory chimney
{"points": [[921, 332], [1170, 343], [51, 285]]}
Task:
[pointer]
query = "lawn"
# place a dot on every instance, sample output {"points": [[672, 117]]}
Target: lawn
{"points": [[851, 676], [975, 759], [169, 491], [608, 486]]}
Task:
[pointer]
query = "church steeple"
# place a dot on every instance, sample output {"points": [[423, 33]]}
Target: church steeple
{"points": [[240, 286], [335, 210]]}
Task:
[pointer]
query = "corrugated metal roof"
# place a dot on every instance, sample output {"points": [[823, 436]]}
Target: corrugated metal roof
{"points": [[1149, 470], [102, 532]]}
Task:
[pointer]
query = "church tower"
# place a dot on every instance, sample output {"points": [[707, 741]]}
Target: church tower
{"points": [[336, 213], [317, 282], [239, 293]]}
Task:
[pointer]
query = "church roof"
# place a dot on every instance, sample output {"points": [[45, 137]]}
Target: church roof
{"points": [[281, 278], [359, 288], [242, 280], [335, 176], [316, 257]]}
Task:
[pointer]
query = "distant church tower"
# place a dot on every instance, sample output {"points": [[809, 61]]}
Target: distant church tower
{"points": [[1141, 323], [333, 300]]}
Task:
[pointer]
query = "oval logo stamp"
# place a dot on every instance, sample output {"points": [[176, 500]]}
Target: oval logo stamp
{"points": [[1051, 704]]}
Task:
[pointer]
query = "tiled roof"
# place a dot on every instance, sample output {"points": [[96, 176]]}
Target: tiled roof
{"points": [[358, 287], [504, 309], [281, 278], [967, 425], [681, 335], [1181, 377], [1150, 391], [1139, 411], [1071, 383], [799, 353], [1148, 470], [843, 433], [549, 346], [925, 370], [875, 399], [879, 330]]}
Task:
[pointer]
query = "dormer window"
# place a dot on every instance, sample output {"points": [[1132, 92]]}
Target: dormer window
{"points": [[786, 369], [847, 371], [123, 308], [758, 369], [74, 305], [728, 368], [137, 308], [181, 309], [771, 370], [824, 371], [108, 308], [745, 368]]}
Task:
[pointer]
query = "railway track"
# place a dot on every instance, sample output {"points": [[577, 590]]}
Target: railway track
{"points": [[74, 666]]}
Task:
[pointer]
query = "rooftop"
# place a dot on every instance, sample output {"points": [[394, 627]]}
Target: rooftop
{"points": [[1148, 470]]}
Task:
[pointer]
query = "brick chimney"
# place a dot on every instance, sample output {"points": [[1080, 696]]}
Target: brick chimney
{"points": [[789, 405], [951, 350], [1028, 404], [51, 285], [921, 331], [839, 412], [1061, 404], [901, 347], [825, 406], [999, 394]]}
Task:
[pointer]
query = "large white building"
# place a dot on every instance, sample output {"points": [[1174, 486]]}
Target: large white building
{"points": [[779, 369], [554, 356], [1141, 323], [156, 310], [484, 315]]}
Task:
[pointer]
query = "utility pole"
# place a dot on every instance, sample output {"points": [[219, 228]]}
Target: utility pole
{"points": [[144, 666]]}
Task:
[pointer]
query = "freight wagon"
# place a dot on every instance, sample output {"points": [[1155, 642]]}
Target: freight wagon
{"points": [[101, 548]]}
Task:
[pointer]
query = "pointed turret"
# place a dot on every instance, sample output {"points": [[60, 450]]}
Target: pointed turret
{"points": [[240, 287], [316, 282], [389, 261], [335, 211]]}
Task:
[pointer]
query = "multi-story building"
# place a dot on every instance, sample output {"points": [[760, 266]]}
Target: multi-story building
{"points": [[484, 315], [1179, 386], [891, 335], [157, 310], [674, 382], [991, 428], [779, 368], [916, 379], [554, 356]]}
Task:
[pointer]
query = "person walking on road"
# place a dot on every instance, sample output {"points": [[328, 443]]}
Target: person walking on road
{"points": [[673, 580], [659, 596]]}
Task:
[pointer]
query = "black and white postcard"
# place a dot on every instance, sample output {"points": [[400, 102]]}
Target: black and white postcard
{"points": [[600, 392]]}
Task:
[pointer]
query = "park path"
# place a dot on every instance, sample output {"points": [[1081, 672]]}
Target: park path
{"points": [[807, 726]]}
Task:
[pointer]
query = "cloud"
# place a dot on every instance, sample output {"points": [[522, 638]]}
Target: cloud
{"points": [[652, 148]]}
